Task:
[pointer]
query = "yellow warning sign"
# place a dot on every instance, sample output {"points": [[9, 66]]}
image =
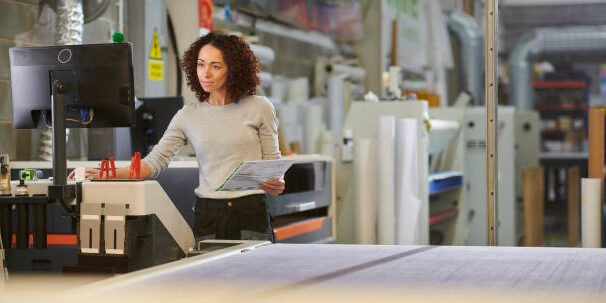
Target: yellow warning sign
{"points": [[156, 51], [155, 70]]}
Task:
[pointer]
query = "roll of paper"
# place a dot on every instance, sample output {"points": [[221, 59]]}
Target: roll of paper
{"points": [[288, 118], [312, 126], [266, 79], [298, 90], [335, 105], [591, 212], [354, 73], [326, 146], [365, 218], [408, 202], [279, 88], [386, 132], [265, 54]]}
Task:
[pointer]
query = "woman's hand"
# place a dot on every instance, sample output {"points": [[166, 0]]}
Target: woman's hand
{"points": [[88, 172], [273, 187], [121, 172]]}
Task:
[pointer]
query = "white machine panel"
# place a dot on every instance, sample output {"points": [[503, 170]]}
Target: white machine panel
{"points": [[518, 146], [475, 136], [136, 198]]}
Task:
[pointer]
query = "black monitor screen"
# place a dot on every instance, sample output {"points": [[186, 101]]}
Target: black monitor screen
{"points": [[102, 90], [153, 117]]}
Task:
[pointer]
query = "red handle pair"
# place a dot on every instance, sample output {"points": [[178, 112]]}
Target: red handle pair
{"points": [[105, 164]]}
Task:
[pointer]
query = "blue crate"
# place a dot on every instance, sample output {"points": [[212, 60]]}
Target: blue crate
{"points": [[443, 181]]}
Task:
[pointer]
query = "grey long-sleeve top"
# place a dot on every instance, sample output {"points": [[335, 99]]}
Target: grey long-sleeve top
{"points": [[222, 137]]}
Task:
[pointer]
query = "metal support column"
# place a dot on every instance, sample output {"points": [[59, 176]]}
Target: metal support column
{"points": [[59, 137], [490, 67]]}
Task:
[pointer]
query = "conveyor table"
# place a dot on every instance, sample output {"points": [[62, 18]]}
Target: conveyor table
{"points": [[283, 267]]}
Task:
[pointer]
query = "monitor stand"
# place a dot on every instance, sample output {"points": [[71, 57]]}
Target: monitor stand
{"points": [[64, 86]]}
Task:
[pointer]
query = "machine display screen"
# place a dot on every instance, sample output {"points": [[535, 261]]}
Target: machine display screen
{"points": [[303, 177]]}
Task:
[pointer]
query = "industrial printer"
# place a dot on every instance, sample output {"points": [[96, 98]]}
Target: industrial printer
{"points": [[305, 212], [109, 225], [121, 225]]}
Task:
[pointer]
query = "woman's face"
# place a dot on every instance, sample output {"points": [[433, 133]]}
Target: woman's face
{"points": [[212, 69]]}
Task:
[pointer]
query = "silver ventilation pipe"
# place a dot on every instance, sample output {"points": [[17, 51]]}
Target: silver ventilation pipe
{"points": [[70, 22], [471, 59], [575, 39], [70, 26]]}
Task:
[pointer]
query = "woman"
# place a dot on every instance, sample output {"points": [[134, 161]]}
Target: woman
{"points": [[227, 126]]}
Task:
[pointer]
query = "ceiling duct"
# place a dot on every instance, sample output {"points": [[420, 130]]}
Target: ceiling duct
{"points": [[70, 28], [94, 9], [70, 22], [471, 71], [541, 41]]}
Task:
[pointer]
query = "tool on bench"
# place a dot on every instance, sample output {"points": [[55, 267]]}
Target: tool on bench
{"points": [[135, 166], [105, 167]]}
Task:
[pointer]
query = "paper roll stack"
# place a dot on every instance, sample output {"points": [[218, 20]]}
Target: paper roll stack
{"points": [[365, 218], [591, 212], [386, 178]]}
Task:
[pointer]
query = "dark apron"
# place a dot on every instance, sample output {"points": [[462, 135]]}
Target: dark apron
{"points": [[244, 218]]}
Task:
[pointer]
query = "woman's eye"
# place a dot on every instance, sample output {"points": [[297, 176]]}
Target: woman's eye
{"points": [[215, 67]]}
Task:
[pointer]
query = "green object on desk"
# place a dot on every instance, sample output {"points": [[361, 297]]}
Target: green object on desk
{"points": [[30, 174]]}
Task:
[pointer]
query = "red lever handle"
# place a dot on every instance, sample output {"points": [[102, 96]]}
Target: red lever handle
{"points": [[113, 165]]}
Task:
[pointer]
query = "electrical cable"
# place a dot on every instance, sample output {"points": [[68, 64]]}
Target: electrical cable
{"points": [[91, 114]]}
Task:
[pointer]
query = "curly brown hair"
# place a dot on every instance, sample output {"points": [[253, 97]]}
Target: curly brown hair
{"points": [[242, 65]]}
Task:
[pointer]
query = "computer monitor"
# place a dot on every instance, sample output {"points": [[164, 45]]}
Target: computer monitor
{"points": [[100, 90], [70, 86]]}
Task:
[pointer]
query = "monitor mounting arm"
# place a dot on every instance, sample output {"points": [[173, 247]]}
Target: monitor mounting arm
{"points": [[64, 90]]}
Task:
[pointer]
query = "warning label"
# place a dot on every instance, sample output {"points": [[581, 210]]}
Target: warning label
{"points": [[155, 65], [155, 70], [155, 51]]}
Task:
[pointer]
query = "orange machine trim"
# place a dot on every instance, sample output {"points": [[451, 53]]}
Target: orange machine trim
{"points": [[53, 239], [298, 229], [560, 84]]}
